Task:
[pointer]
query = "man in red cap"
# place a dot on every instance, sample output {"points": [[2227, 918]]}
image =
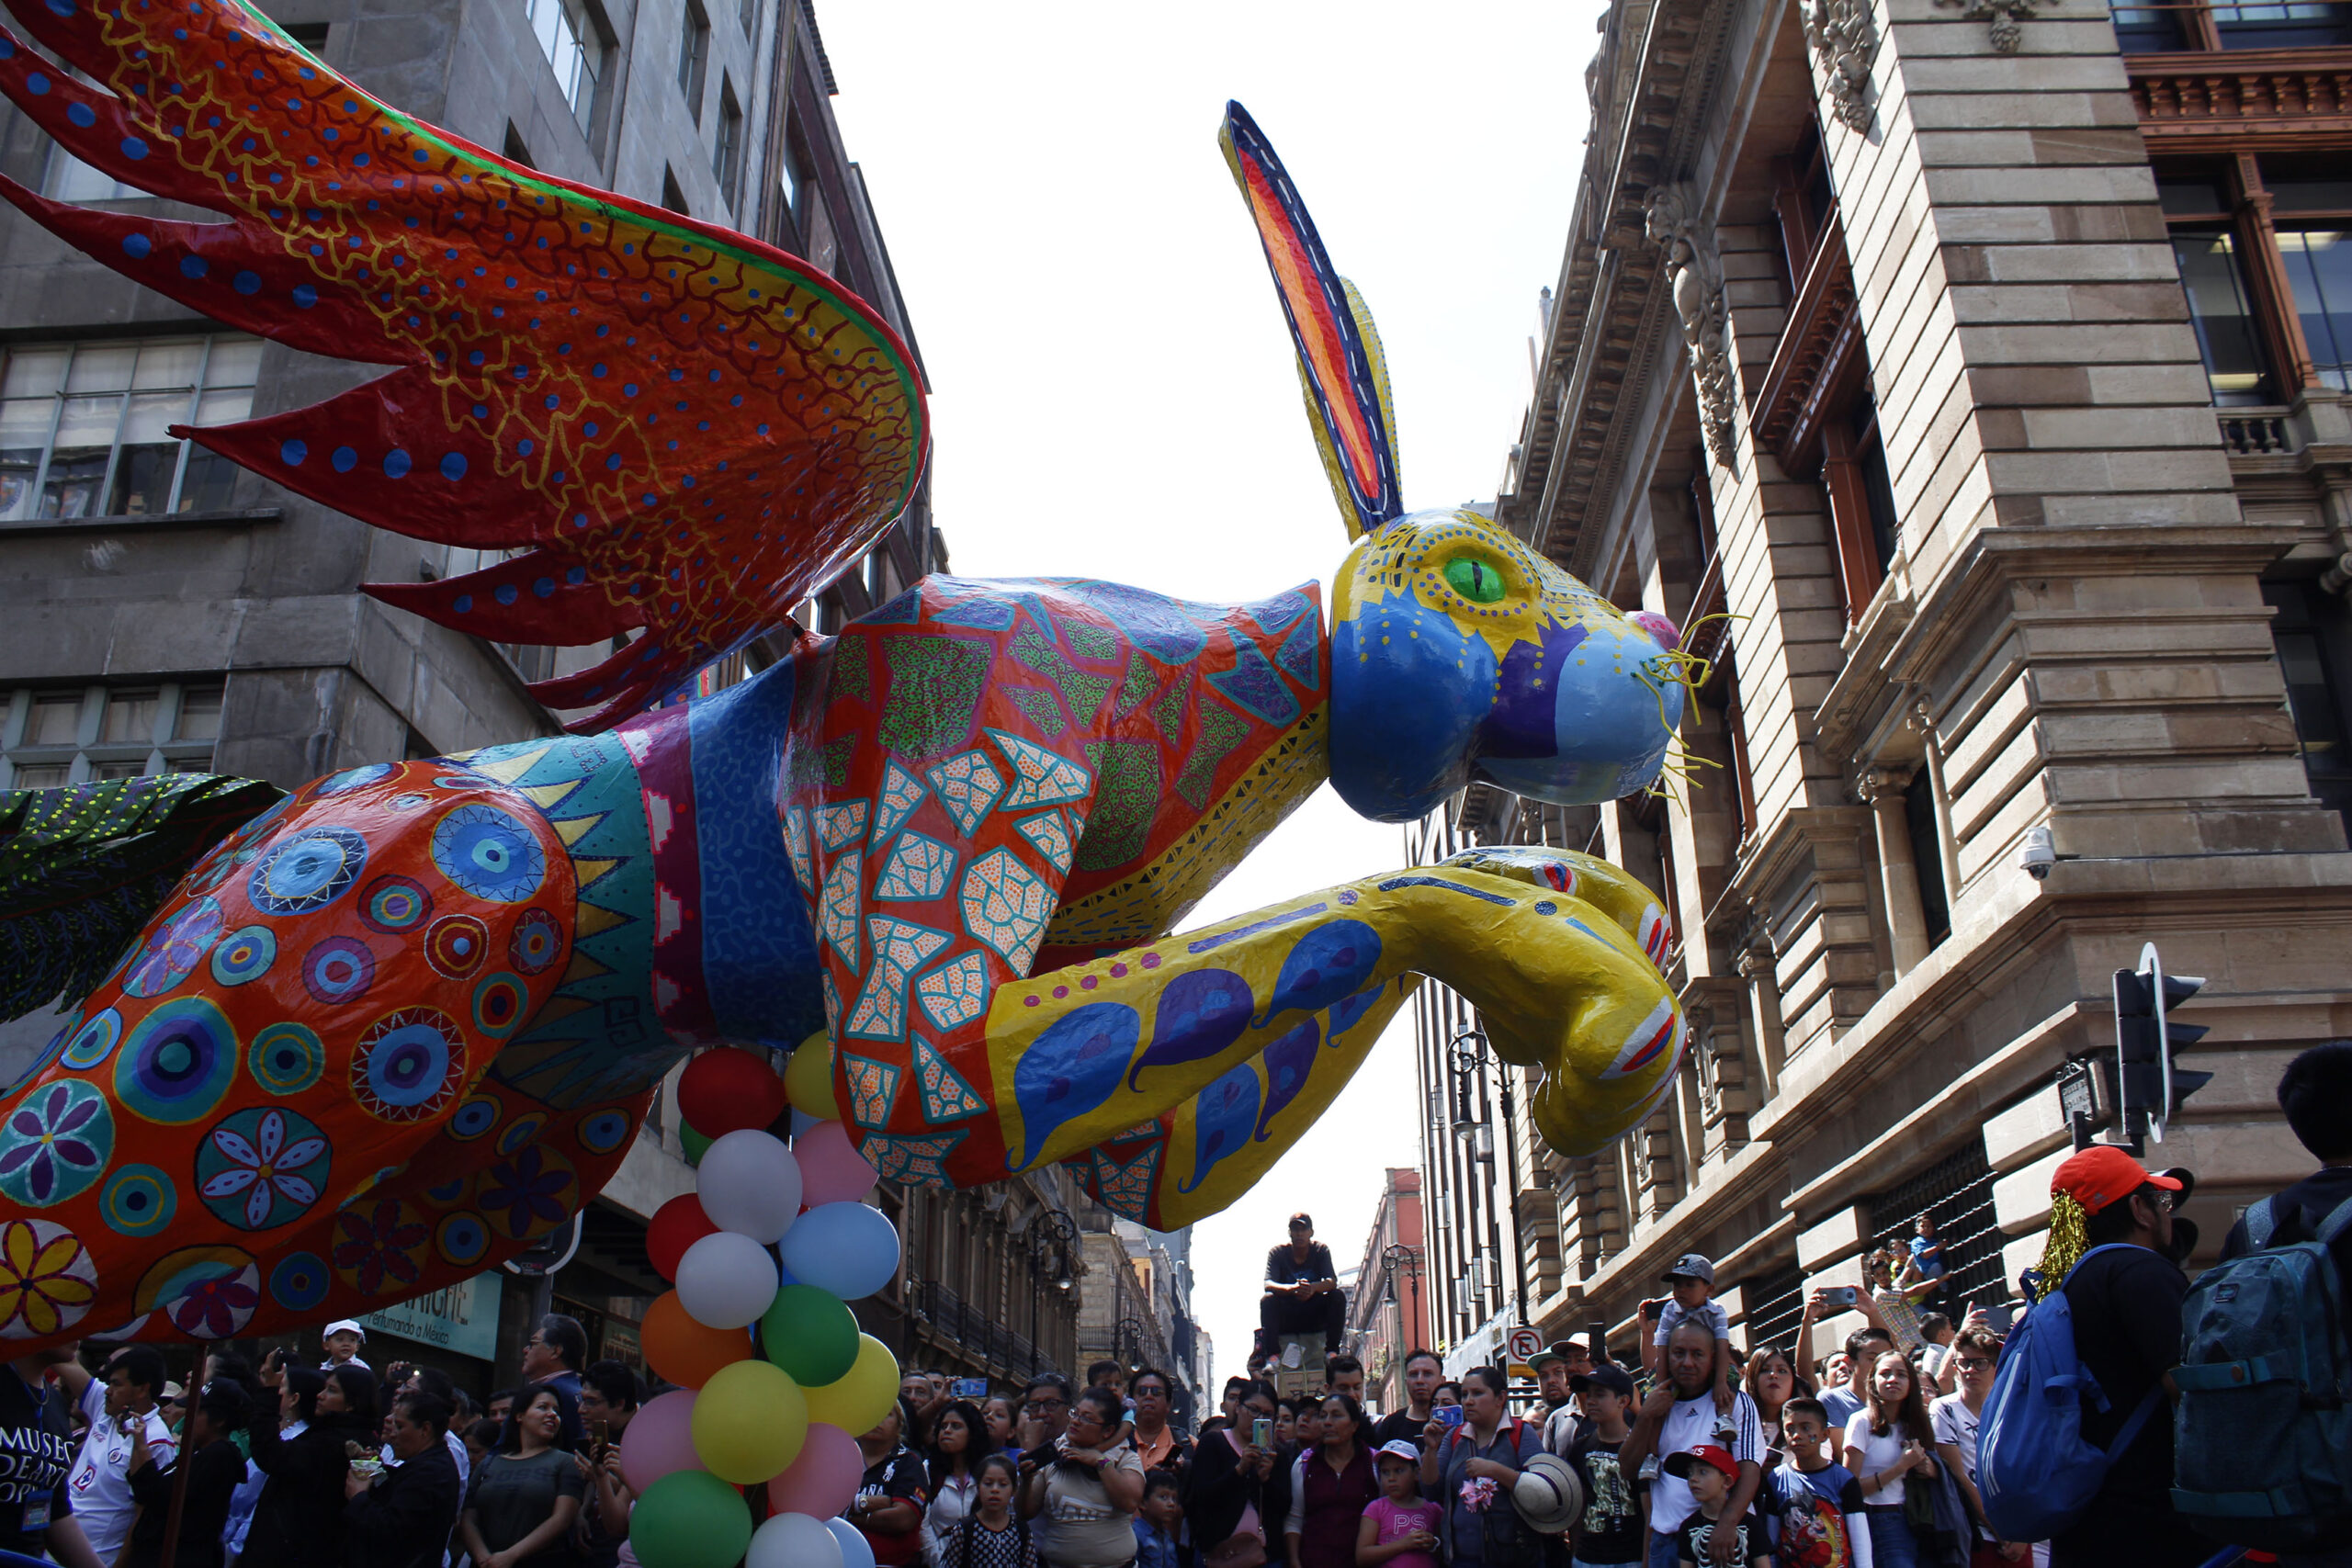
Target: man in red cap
{"points": [[2126, 1306]]}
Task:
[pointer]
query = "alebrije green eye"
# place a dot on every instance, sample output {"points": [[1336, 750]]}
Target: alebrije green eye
{"points": [[1475, 580]]}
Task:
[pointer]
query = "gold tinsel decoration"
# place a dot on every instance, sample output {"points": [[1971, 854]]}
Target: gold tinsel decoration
{"points": [[2068, 1241]]}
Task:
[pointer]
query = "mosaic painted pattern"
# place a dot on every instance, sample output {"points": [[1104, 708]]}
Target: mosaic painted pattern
{"points": [[682, 430]]}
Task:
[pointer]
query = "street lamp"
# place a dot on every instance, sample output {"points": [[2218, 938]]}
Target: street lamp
{"points": [[1048, 1236], [1468, 1050]]}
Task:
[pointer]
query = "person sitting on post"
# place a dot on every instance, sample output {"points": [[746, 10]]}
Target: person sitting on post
{"points": [[1302, 1292], [1692, 1278]]}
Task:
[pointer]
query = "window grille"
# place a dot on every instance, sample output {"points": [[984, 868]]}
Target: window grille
{"points": [[85, 734], [84, 426], [1775, 1307], [1957, 1193]]}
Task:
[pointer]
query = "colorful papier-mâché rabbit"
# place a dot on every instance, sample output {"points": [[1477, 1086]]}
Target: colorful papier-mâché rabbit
{"points": [[385, 1033]]}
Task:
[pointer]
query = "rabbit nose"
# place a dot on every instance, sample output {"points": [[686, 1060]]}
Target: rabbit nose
{"points": [[1669, 635]]}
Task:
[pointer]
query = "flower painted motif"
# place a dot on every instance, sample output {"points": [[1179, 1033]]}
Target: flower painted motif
{"points": [[55, 1144], [219, 1306], [528, 1195], [261, 1168], [379, 1247], [47, 1279]]}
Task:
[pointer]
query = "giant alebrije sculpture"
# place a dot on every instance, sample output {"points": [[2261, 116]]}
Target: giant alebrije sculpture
{"points": [[385, 1033]]}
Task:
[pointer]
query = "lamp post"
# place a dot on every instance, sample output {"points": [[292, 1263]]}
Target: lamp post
{"points": [[1401, 1257], [1468, 1050], [1050, 1235]]}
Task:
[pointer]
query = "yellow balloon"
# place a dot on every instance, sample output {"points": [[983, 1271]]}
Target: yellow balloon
{"points": [[750, 1421], [864, 1393], [809, 1079]]}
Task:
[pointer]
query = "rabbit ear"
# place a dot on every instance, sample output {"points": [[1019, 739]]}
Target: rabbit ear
{"points": [[1339, 361]]}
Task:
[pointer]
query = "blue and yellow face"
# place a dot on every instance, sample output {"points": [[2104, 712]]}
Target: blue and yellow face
{"points": [[1457, 653]]}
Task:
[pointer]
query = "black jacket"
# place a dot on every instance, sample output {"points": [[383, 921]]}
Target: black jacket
{"points": [[298, 1523], [1216, 1493], [217, 1471], [404, 1521]]}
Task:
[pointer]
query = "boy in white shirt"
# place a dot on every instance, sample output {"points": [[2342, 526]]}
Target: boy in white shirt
{"points": [[1693, 1279], [100, 1485]]}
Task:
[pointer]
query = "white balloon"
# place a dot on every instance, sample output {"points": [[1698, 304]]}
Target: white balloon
{"points": [[748, 1181], [726, 1280], [855, 1552], [794, 1540]]}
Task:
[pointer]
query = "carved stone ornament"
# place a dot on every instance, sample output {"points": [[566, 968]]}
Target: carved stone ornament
{"points": [[2004, 15], [1696, 277], [1844, 36]]}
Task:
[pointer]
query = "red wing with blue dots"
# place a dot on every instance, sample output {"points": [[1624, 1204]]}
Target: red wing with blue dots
{"points": [[679, 428]]}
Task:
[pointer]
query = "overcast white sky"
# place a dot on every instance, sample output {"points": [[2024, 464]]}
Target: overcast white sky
{"points": [[1114, 390]]}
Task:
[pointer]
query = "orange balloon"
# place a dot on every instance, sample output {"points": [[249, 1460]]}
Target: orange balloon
{"points": [[684, 1351]]}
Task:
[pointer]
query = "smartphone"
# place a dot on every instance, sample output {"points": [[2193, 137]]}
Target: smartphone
{"points": [[970, 1388], [1653, 1311], [1449, 1415], [1841, 1296], [1261, 1433], [2000, 1318], [1596, 1334]]}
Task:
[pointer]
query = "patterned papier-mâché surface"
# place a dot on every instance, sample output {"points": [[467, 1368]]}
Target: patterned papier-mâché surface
{"points": [[388, 1032]]}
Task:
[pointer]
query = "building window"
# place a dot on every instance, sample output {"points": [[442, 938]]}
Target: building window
{"points": [[672, 197], [1861, 499], [2269, 24], [2313, 634], [2264, 252], [574, 46], [79, 734], [694, 57], [1927, 854], [517, 150], [727, 148], [2312, 209], [84, 426]]}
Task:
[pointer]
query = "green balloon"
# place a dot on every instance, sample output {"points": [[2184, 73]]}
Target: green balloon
{"points": [[690, 1519], [695, 1145], [810, 1334]]}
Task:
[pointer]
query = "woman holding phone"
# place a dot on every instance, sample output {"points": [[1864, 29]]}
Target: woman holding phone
{"points": [[1470, 1469], [1235, 1493]]}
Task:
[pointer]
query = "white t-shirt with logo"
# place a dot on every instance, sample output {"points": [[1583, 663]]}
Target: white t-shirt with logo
{"points": [[100, 1485]]}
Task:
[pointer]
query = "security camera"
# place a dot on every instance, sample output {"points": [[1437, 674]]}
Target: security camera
{"points": [[2039, 854]]}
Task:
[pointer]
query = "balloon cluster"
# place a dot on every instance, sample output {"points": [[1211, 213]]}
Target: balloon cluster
{"points": [[775, 1381]]}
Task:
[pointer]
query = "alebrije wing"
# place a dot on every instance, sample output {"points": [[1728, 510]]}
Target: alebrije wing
{"points": [[681, 428], [83, 867], [1340, 360]]}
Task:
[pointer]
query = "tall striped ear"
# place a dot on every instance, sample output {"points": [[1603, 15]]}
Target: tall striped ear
{"points": [[1339, 361]]}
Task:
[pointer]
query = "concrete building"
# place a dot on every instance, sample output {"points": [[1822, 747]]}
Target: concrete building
{"points": [[993, 1279], [168, 610], [1970, 381], [1137, 1309], [1387, 1303]]}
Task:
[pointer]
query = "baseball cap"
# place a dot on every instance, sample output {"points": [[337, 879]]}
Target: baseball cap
{"points": [[1691, 1266], [1606, 1375], [2103, 1173], [343, 1325], [1680, 1465], [1547, 1356], [1397, 1448]]}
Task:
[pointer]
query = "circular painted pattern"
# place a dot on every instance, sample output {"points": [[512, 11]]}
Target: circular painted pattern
{"points": [[395, 904], [462, 1239], [489, 854], [356, 778], [377, 1246], [602, 1133], [462, 781], [456, 945], [528, 1194], [177, 1063], [408, 1065], [499, 1003], [522, 1132], [300, 1281], [172, 953], [286, 1058], [244, 955], [338, 970], [307, 871], [94, 1041], [208, 1292], [450, 1193], [408, 802], [55, 1143], [263, 1167], [138, 1200], [474, 1118], [536, 943], [48, 1279]]}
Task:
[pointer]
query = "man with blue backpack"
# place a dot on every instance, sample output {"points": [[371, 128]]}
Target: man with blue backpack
{"points": [[2266, 1376], [2076, 1442]]}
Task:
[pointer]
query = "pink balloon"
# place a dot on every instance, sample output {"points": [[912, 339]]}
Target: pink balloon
{"points": [[831, 1170], [660, 1439], [823, 1480]]}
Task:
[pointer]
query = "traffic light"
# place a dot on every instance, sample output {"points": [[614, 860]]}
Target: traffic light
{"points": [[2149, 1087]]}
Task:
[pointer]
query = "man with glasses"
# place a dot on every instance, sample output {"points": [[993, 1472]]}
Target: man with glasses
{"points": [[1044, 1421], [1156, 1445], [1976, 1353], [2125, 1301]]}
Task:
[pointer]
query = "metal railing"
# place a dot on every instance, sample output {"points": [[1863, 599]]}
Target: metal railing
{"points": [[982, 1337]]}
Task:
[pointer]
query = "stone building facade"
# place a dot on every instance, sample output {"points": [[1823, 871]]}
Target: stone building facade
{"points": [[169, 612], [1970, 381], [1388, 1314]]}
